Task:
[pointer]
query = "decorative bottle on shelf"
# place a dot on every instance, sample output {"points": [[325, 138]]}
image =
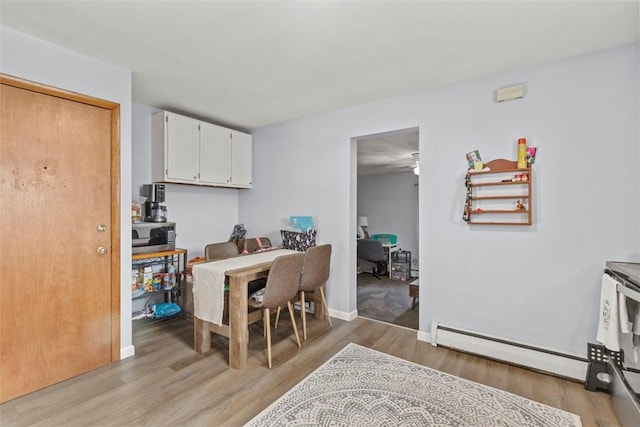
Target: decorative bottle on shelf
{"points": [[522, 153]]}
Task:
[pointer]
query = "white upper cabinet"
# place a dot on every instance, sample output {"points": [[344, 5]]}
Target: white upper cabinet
{"points": [[241, 155], [215, 155], [189, 151], [182, 158]]}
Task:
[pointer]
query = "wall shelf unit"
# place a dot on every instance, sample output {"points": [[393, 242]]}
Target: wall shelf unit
{"points": [[499, 196]]}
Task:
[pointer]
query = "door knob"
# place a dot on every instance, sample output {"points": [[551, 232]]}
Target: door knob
{"points": [[101, 228], [102, 250]]}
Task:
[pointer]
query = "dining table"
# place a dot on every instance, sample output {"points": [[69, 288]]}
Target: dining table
{"points": [[208, 292]]}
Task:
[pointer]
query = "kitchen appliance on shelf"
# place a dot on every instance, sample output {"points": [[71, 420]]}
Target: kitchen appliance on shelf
{"points": [[625, 385], [149, 237], [154, 211]]}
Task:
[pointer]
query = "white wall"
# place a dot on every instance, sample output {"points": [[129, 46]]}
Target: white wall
{"points": [[390, 203], [202, 214], [537, 284], [42, 62]]}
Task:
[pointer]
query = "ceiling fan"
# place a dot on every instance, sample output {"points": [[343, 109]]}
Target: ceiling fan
{"points": [[391, 152], [412, 165]]}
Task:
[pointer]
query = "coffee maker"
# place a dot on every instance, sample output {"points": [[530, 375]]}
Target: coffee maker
{"points": [[153, 211]]}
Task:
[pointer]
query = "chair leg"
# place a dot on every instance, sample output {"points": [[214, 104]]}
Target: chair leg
{"points": [[326, 308], [275, 326], [293, 321], [375, 271], [304, 316], [265, 318]]}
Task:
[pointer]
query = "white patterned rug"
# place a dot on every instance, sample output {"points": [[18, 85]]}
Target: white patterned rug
{"points": [[363, 387]]}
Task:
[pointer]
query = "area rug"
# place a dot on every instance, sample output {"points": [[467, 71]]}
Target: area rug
{"points": [[386, 300], [363, 387]]}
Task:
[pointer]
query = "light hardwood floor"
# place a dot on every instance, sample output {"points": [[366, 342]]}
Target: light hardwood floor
{"points": [[169, 384]]}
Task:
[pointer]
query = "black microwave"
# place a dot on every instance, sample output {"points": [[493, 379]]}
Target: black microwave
{"points": [[153, 237]]}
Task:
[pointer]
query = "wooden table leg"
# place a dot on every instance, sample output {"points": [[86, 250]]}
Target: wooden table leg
{"points": [[201, 335], [238, 322], [414, 291]]}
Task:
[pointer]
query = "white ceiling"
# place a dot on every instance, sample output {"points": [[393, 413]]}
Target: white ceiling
{"points": [[389, 152], [247, 64]]}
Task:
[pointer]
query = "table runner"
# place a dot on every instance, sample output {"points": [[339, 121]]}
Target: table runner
{"points": [[208, 282]]}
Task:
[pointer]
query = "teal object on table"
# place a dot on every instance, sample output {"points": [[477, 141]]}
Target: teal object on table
{"points": [[301, 223], [386, 238]]}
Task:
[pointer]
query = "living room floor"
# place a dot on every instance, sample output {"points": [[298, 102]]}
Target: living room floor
{"points": [[386, 300]]}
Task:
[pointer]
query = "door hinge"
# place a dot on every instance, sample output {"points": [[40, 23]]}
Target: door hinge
{"points": [[166, 172]]}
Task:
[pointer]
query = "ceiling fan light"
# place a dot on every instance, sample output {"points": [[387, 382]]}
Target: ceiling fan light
{"points": [[416, 163]]}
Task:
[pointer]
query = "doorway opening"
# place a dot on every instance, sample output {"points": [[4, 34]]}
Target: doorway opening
{"points": [[387, 184]]}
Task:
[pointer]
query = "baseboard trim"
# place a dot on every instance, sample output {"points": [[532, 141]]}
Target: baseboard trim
{"points": [[548, 360], [424, 336], [342, 315], [127, 351]]}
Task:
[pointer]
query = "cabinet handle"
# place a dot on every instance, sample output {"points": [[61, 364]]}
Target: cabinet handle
{"points": [[101, 228], [102, 250]]}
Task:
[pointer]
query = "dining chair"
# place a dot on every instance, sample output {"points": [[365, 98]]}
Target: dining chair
{"points": [[220, 250], [249, 246], [282, 286], [253, 244], [315, 273]]}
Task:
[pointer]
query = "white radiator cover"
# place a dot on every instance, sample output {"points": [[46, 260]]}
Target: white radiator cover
{"points": [[569, 365]]}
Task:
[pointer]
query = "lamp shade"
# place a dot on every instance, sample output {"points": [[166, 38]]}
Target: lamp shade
{"points": [[363, 221]]}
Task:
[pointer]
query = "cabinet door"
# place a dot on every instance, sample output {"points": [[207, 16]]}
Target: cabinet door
{"points": [[241, 159], [182, 139], [215, 154]]}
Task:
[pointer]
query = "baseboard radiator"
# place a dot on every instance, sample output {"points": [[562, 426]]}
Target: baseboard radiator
{"points": [[571, 366]]}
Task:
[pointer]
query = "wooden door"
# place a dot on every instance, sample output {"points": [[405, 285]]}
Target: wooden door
{"points": [[59, 291]]}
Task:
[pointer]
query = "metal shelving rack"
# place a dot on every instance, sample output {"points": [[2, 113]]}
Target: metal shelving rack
{"points": [[177, 294]]}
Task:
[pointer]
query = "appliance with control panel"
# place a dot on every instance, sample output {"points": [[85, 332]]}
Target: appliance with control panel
{"points": [[153, 210], [625, 376], [153, 237]]}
